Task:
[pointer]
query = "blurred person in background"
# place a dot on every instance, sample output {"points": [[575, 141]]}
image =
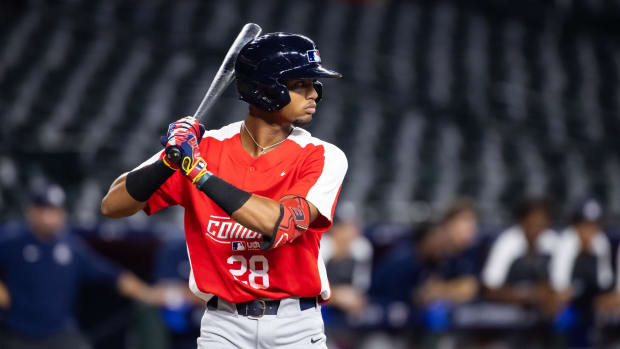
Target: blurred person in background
{"points": [[581, 267], [41, 266], [516, 270], [435, 273], [182, 311], [449, 257], [607, 311], [348, 259]]}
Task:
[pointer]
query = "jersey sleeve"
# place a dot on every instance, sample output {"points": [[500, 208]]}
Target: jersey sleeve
{"points": [[320, 181], [169, 194]]}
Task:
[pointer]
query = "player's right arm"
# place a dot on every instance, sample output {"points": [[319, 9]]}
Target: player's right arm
{"points": [[129, 193], [118, 202]]}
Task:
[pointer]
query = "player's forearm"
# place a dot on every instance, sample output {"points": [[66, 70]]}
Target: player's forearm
{"points": [[255, 212], [259, 214], [118, 203]]}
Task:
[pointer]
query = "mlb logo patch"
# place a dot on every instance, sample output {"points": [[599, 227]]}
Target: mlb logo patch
{"points": [[238, 246], [314, 57]]}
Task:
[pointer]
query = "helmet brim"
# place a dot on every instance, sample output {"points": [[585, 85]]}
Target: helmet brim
{"points": [[310, 72]]}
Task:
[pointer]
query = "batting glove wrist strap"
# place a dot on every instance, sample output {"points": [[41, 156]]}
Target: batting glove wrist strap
{"points": [[194, 168], [224, 194], [143, 182]]}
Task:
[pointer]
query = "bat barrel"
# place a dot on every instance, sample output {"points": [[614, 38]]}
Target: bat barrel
{"points": [[226, 72]]}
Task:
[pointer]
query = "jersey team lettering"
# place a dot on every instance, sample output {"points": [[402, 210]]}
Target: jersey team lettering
{"points": [[225, 230]]}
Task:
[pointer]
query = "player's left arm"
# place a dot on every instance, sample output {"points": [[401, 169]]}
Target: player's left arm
{"points": [[279, 222]]}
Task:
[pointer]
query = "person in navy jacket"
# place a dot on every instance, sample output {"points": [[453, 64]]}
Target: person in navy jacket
{"points": [[41, 267]]}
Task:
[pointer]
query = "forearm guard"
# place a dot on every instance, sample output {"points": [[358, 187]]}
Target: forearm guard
{"points": [[143, 182]]}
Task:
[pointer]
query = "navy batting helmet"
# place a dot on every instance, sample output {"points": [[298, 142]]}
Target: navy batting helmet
{"points": [[265, 62]]}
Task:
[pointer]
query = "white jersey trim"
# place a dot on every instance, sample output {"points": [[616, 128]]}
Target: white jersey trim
{"points": [[326, 292], [323, 193], [150, 160], [193, 286], [225, 132]]}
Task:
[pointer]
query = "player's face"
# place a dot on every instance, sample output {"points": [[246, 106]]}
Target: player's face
{"points": [[303, 102]]}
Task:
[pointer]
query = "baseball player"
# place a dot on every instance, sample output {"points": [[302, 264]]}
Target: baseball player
{"points": [[258, 194]]}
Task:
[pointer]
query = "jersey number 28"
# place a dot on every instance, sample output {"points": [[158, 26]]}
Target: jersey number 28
{"points": [[259, 266]]}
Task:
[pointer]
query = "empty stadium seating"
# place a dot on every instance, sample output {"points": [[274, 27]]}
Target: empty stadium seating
{"points": [[493, 99]]}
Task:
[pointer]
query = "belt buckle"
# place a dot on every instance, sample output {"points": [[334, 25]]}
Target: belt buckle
{"points": [[263, 313]]}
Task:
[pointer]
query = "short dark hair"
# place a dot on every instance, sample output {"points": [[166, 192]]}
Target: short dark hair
{"points": [[527, 205]]}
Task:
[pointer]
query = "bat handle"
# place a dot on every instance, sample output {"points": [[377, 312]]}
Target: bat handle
{"points": [[173, 154]]}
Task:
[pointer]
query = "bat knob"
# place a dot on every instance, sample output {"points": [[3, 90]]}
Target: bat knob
{"points": [[173, 154]]}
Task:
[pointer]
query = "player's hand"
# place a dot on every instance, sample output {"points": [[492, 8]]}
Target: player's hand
{"points": [[188, 124], [191, 164], [179, 132]]}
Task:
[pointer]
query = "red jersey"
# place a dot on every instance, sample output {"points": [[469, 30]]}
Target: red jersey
{"points": [[226, 259]]}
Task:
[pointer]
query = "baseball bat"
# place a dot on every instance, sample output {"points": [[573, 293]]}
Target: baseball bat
{"points": [[224, 77]]}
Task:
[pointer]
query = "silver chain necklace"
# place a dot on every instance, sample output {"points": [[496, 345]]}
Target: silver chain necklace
{"points": [[264, 149]]}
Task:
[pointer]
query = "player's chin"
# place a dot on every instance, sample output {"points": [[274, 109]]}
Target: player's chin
{"points": [[303, 121]]}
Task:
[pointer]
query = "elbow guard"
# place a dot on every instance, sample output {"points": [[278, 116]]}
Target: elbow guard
{"points": [[294, 220]]}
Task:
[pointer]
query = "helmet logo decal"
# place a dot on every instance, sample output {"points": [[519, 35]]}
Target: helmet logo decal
{"points": [[313, 56]]}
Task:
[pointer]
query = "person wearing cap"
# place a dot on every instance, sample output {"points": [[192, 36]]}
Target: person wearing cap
{"points": [[41, 266], [581, 264]]}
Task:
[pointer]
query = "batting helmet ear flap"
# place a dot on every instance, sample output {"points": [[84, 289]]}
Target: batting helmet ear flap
{"points": [[267, 97], [275, 96], [318, 87]]}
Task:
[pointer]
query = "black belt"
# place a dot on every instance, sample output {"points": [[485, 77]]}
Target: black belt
{"points": [[259, 307]]}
